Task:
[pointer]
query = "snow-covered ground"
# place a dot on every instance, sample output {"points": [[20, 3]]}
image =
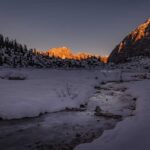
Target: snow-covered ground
{"points": [[47, 90], [63, 129], [30, 92], [133, 133]]}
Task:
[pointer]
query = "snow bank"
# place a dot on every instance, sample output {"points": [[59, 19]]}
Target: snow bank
{"points": [[12, 75], [132, 133], [47, 90]]}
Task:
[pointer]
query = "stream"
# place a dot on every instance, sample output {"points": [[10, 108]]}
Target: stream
{"points": [[66, 129], [56, 131]]}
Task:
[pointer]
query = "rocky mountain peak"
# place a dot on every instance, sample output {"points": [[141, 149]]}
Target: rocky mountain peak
{"points": [[62, 52], [66, 53], [135, 44], [141, 31]]}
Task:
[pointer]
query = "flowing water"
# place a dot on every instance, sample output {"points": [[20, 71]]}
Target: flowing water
{"points": [[56, 131], [66, 129]]}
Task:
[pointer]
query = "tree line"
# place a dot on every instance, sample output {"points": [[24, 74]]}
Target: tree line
{"points": [[14, 54]]}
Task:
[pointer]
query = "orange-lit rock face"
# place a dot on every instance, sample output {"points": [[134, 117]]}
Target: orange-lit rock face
{"points": [[137, 43], [104, 59], [141, 31], [61, 52], [66, 53]]}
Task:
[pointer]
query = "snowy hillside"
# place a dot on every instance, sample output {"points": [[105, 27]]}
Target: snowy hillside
{"points": [[13, 54]]}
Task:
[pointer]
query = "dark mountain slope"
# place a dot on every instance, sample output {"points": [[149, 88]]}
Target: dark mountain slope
{"points": [[137, 43]]}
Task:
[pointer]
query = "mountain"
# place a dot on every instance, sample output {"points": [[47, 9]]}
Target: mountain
{"points": [[61, 52], [104, 59], [66, 53], [14, 54], [137, 43]]}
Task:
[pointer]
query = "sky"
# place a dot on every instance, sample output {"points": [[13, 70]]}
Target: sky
{"points": [[93, 26]]}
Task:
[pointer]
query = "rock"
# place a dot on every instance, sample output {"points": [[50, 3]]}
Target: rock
{"points": [[98, 109], [108, 115], [132, 107], [78, 135], [83, 105], [137, 43], [96, 78], [134, 99], [97, 87], [16, 78], [103, 83], [75, 109]]}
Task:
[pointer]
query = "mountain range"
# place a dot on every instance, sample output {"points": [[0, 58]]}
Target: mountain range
{"points": [[136, 43], [66, 53]]}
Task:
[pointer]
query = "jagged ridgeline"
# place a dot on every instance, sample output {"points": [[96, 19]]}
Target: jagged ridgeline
{"points": [[13, 54], [137, 43]]}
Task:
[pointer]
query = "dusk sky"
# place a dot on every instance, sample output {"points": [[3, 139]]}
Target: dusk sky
{"points": [[93, 26]]}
